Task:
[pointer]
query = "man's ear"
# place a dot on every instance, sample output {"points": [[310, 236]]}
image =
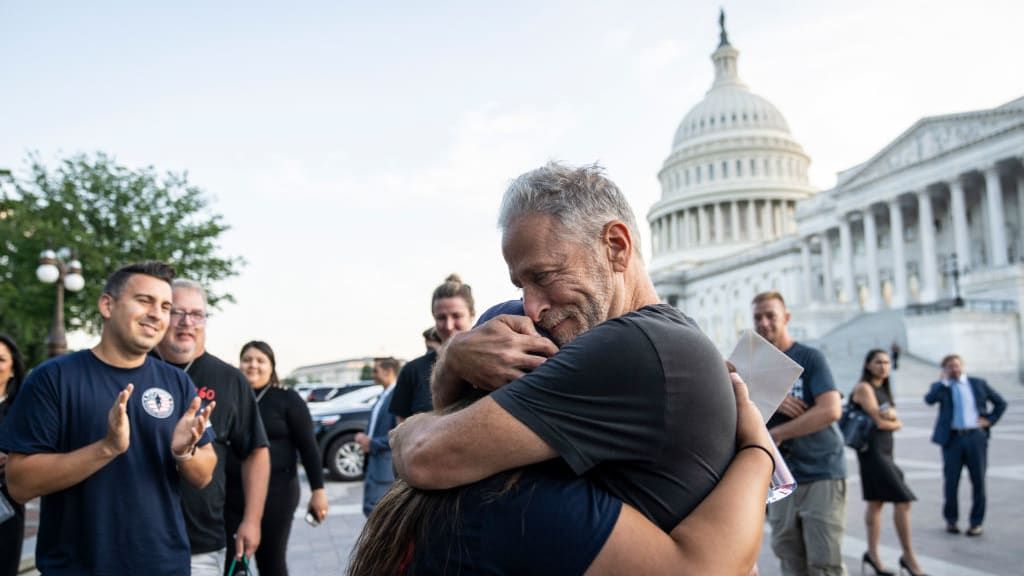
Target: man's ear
{"points": [[618, 243], [105, 304]]}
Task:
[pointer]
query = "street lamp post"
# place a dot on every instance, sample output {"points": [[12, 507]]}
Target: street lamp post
{"points": [[53, 270]]}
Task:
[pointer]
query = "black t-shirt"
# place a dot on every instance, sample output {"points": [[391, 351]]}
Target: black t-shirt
{"points": [[290, 430], [642, 403], [239, 430], [537, 520], [412, 390]]}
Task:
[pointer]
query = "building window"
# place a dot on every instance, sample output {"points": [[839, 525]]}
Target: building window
{"points": [[725, 169], [711, 172], [753, 167], [686, 175], [698, 174], [739, 168]]}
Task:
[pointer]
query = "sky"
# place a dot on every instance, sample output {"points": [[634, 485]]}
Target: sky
{"points": [[359, 150]]}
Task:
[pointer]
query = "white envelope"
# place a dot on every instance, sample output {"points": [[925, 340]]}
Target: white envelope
{"points": [[768, 372]]}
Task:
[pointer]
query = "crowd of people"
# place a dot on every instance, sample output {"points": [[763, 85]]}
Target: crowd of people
{"points": [[585, 428]]}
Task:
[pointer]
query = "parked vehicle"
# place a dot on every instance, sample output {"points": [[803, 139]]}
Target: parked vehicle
{"points": [[335, 425], [325, 392]]}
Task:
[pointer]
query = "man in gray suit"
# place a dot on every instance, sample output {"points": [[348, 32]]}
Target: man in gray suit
{"points": [[379, 472]]}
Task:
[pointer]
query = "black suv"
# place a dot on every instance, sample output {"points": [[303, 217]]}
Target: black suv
{"points": [[335, 425]]}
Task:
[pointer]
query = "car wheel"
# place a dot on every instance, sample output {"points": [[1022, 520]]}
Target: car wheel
{"points": [[345, 459]]}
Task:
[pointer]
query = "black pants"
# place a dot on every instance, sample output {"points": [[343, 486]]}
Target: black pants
{"points": [[272, 555], [11, 534]]}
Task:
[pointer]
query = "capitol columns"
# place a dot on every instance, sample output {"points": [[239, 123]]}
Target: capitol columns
{"points": [[751, 221], [826, 268], [926, 228], [684, 229], [959, 209], [846, 250], [719, 225], [805, 261], [702, 223], [734, 217], [766, 220], [899, 261], [673, 233], [871, 252], [996, 227]]}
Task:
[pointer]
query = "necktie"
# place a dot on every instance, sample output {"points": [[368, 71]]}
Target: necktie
{"points": [[958, 406]]}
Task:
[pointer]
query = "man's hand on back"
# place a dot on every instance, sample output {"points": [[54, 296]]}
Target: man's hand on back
{"points": [[489, 356]]}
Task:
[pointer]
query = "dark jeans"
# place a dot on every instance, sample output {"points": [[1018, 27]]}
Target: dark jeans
{"points": [[968, 448]]}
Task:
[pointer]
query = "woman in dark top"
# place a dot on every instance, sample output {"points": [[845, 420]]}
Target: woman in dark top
{"points": [[543, 519], [451, 304], [290, 430], [880, 479], [12, 372]]}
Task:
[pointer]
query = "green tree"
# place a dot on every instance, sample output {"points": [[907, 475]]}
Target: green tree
{"points": [[367, 373], [110, 215]]}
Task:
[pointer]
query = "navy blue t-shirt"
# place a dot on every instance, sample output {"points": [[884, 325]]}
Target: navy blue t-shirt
{"points": [[549, 521], [819, 455], [126, 518]]}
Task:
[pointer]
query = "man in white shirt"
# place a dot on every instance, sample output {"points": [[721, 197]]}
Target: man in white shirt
{"points": [[962, 429], [379, 471]]}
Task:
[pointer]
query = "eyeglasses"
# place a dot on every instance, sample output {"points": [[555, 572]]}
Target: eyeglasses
{"points": [[197, 317]]}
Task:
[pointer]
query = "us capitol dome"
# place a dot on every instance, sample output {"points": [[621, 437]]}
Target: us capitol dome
{"points": [[733, 177]]}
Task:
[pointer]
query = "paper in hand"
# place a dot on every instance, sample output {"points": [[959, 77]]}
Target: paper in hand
{"points": [[768, 372]]}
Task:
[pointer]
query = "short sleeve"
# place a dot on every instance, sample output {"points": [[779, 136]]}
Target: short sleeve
{"points": [[248, 433], [32, 425], [405, 389], [817, 375], [601, 398]]}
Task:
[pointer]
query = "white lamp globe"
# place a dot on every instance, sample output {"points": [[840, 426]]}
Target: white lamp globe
{"points": [[74, 282], [47, 273]]}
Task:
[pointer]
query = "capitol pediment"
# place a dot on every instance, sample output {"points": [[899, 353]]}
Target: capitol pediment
{"points": [[935, 136]]}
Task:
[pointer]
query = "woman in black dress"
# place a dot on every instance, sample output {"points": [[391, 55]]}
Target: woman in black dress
{"points": [[290, 431], [12, 372], [881, 480]]}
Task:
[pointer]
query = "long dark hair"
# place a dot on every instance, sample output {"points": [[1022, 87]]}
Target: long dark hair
{"points": [[269, 352], [17, 368], [866, 376]]}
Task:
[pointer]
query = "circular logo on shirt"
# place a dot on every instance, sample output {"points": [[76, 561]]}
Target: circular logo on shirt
{"points": [[158, 402]]}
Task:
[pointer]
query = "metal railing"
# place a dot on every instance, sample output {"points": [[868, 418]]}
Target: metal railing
{"points": [[974, 304]]}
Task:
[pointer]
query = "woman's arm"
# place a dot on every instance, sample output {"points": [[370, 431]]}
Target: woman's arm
{"points": [[864, 396], [722, 535], [300, 428]]}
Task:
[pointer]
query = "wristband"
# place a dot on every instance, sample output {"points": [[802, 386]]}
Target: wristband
{"points": [[763, 449], [186, 456]]}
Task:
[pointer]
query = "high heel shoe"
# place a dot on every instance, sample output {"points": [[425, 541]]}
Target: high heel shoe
{"points": [[905, 566], [866, 559]]}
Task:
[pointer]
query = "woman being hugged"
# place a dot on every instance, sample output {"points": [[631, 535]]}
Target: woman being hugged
{"points": [[290, 430], [880, 479]]}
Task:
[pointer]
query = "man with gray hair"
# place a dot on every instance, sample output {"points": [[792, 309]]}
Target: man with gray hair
{"points": [[237, 426], [634, 395]]}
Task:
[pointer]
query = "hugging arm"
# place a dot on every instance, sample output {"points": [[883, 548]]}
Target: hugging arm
{"points": [[435, 451]]}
